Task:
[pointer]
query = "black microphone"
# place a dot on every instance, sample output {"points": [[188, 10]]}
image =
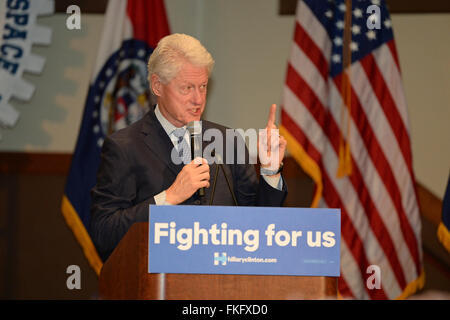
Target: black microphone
{"points": [[195, 132]]}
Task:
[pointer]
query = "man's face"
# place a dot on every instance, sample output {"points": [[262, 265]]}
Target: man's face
{"points": [[183, 99]]}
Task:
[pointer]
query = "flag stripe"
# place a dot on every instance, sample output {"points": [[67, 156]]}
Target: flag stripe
{"points": [[391, 76], [351, 284], [302, 117], [376, 223], [350, 235], [308, 71], [371, 160], [389, 108], [291, 105], [307, 96], [392, 47], [363, 221], [314, 29], [146, 29], [299, 135], [308, 46], [389, 145], [366, 154], [395, 175]]}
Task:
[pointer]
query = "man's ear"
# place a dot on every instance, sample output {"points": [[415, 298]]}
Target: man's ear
{"points": [[156, 84]]}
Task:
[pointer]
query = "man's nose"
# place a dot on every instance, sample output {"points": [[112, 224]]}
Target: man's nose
{"points": [[197, 96]]}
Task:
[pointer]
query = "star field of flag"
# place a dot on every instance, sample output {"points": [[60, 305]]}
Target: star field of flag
{"points": [[364, 40]]}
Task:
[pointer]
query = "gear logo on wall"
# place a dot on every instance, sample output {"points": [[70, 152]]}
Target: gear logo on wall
{"points": [[18, 33]]}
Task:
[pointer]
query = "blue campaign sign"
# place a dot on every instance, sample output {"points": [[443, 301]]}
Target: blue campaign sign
{"points": [[244, 240]]}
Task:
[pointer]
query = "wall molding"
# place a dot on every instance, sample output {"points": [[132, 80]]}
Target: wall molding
{"points": [[35, 163], [86, 6], [287, 7], [430, 205]]}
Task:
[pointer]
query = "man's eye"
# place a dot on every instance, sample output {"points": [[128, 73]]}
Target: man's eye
{"points": [[185, 89]]}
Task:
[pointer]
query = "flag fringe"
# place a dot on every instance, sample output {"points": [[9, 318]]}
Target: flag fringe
{"points": [[443, 235], [410, 289], [413, 287], [82, 236], [306, 162]]}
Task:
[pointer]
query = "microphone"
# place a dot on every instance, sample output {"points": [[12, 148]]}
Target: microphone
{"points": [[195, 132]]}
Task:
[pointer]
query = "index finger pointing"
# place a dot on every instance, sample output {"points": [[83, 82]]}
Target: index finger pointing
{"points": [[272, 113]]}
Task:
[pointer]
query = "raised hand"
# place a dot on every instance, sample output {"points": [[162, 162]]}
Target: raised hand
{"points": [[271, 145]]}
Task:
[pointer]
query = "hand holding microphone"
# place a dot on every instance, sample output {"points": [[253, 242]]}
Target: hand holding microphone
{"points": [[195, 175], [191, 178]]}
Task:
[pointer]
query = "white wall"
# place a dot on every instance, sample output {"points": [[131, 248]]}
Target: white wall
{"points": [[424, 50], [250, 43]]}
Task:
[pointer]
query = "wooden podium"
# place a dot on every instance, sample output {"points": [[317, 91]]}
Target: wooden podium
{"points": [[125, 276]]}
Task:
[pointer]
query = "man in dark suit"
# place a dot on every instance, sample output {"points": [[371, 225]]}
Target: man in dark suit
{"points": [[137, 164]]}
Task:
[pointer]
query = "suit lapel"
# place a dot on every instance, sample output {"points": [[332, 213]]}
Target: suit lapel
{"points": [[158, 141]]}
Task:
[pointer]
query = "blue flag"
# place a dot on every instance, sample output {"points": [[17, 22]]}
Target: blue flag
{"points": [[444, 227]]}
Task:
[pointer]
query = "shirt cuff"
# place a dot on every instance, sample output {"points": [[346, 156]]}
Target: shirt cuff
{"points": [[274, 182], [160, 199]]}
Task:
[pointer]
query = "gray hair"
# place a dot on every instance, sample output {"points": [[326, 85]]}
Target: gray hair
{"points": [[174, 50]]}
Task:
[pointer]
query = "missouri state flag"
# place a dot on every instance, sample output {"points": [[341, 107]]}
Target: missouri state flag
{"points": [[118, 96]]}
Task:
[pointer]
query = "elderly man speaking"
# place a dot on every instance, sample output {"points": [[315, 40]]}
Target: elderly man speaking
{"points": [[137, 165]]}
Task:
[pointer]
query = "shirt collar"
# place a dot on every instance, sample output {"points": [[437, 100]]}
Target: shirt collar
{"points": [[167, 126]]}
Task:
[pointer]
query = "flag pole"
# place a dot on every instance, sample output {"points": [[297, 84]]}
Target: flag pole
{"points": [[345, 164]]}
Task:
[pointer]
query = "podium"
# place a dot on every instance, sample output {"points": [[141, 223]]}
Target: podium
{"points": [[125, 276]]}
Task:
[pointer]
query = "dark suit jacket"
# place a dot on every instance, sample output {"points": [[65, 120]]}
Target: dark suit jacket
{"points": [[136, 165]]}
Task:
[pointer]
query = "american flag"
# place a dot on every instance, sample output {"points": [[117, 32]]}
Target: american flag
{"points": [[344, 115]]}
